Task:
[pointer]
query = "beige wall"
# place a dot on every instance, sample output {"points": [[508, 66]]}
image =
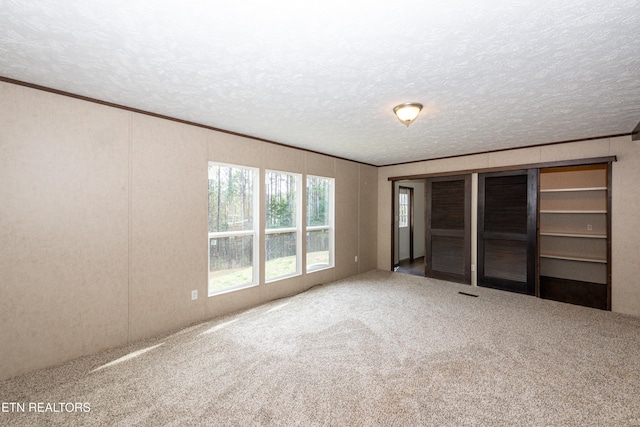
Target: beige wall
{"points": [[103, 225], [625, 192], [103, 222]]}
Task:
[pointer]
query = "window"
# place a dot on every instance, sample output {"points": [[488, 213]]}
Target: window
{"points": [[403, 204], [233, 229], [282, 225], [319, 223]]}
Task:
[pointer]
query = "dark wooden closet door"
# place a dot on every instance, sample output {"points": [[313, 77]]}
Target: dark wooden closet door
{"points": [[448, 228], [507, 212]]}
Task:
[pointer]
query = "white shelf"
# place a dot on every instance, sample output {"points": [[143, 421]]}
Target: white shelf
{"points": [[559, 190], [579, 235], [593, 211], [574, 258]]}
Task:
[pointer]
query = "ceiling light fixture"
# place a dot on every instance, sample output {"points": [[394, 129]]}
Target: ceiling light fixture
{"points": [[407, 112]]}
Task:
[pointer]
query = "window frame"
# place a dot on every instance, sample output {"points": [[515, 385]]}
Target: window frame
{"points": [[297, 229], [330, 227], [254, 232]]}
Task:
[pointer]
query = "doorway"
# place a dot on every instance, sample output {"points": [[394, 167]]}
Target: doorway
{"points": [[408, 228], [405, 224]]}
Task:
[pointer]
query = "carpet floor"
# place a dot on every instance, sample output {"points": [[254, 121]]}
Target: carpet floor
{"points": [[377, 349]]}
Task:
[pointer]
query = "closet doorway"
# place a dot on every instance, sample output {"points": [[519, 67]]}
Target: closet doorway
{"points": [[507, 218], [448, 223]]}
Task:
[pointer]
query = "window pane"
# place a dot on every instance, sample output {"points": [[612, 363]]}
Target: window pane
{"points": [[280, 256], [404, 209], [280, 199], [230, 198], [230, 262], [319, 244], [318, 249], [317, 201]]}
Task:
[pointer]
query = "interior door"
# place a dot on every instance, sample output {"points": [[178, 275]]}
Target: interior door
{"points": [[448, 228], [507, 213]]}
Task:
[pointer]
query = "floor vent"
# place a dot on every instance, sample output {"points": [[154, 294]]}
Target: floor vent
{"points": [[469, 295]]}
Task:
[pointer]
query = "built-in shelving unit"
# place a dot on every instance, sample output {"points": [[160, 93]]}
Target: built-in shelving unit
{"points": [[574, 235]]}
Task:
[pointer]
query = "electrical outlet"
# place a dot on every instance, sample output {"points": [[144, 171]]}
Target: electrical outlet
{"points": [[356, 258], [473, 267], [589, 227], [194, 295]]}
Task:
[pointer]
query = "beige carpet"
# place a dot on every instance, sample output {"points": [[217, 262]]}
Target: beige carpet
{"points": [[376, 349]]}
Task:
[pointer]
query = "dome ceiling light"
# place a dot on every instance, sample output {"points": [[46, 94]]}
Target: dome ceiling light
{"points": [[407, 112]]}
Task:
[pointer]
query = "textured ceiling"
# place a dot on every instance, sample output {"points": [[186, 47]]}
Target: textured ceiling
{"points": [[325, 75]]}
